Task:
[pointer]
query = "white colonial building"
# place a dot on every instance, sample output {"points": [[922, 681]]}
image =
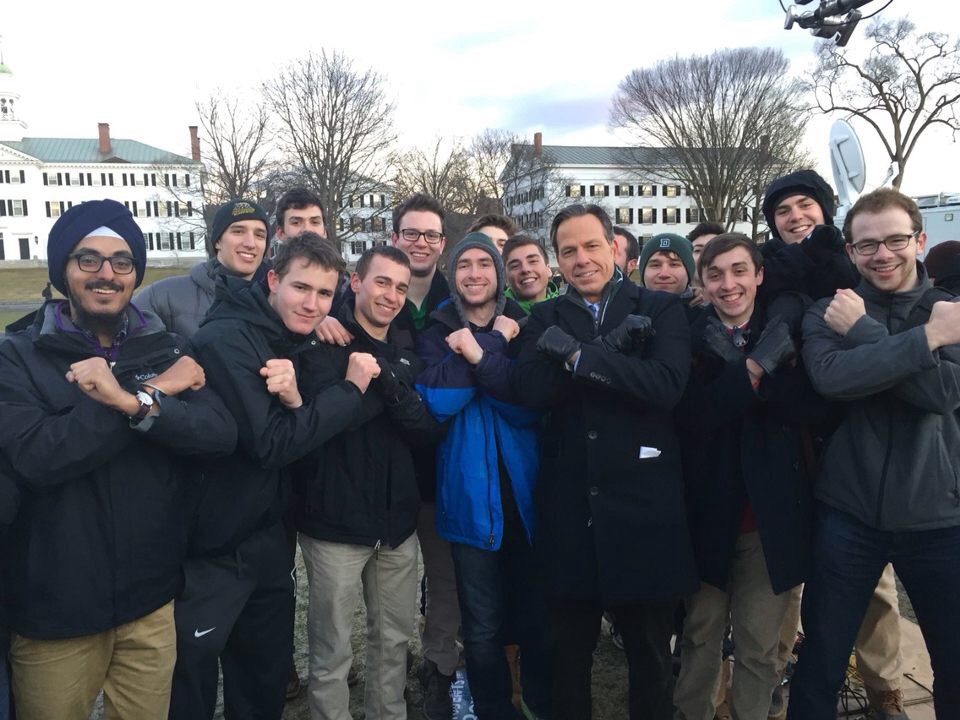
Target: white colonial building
{"points": [[365, 220], [40, 178], [541, 179]]}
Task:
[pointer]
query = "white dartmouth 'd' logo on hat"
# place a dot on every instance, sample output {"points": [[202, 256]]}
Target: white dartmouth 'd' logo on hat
{"points": [[664, 242]]}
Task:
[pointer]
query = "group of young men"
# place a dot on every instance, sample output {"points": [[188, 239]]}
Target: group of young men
{"points": [[701, 421]]}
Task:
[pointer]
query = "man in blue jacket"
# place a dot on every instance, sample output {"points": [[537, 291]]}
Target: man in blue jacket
{"points": [[486, 471], [102, 410]]}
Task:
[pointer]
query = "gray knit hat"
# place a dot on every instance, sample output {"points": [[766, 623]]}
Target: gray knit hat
{"points": [[469, 242]]}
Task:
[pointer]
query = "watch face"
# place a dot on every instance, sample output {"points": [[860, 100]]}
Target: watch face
{"points": [[144, 398]]}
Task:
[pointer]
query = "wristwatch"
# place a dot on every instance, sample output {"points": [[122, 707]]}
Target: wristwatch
{"points": [[146, 402]]}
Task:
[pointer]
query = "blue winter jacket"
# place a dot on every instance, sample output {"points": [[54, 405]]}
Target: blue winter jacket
{"points": [[485, 419]]}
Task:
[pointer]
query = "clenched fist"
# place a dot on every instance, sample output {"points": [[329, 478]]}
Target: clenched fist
{"points": [[361, 369], [282, 382]]}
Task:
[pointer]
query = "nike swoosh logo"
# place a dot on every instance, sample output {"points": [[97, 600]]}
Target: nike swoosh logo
{"points": [[198, 633]]}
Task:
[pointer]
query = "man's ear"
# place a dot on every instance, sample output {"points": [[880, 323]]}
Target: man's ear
{"points": [[355, 283], [273, 280]]}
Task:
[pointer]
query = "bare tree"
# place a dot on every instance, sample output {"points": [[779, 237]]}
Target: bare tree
{"points": [[490, 151], [234, 148], [906, 84], [705, 118], [444, 172], [336, 124], [534, 188]]}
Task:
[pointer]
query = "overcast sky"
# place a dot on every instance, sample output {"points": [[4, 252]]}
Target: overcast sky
{"points": [[451, 69]]}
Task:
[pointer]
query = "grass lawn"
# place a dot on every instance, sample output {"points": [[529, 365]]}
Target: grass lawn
{"points": [[24, 284]]}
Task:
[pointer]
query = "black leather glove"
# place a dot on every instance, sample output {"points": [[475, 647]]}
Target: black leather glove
{"points": [[557, 344], [774, 347], [719, 342], [823, 243], [386, 382], [634, 329]]}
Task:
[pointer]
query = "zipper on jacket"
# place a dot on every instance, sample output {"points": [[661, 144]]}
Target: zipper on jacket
{"points": [[886, 455], [376, 547]]}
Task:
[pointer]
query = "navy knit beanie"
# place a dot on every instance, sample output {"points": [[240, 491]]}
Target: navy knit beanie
{"points": [[801, 182], [78, 222], [231, 212], [668, 242]]}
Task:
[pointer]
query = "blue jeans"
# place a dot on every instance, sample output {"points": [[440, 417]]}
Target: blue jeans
{"points": [[848, 559], [499, 594]]}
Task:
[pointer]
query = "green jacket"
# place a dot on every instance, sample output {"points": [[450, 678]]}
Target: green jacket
{"points": [[527, 305]]}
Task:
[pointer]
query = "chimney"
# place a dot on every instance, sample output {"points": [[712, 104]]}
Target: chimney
{"points": [[194, 144], [104, 131], [538, 144]]}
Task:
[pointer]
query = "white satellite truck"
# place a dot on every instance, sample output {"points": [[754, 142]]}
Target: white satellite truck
{"points": [[941, 213]]}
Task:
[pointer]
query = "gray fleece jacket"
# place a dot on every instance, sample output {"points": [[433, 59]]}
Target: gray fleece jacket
{"points": [[181, 302], [894, 462]]}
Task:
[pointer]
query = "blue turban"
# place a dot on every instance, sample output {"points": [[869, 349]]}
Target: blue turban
{"points": [[78, 222]]}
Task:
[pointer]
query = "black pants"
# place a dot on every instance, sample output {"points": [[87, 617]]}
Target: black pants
{"points": [[237, 609], [646, 631]]}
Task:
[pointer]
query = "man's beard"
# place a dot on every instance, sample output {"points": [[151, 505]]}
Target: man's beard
{"points": [[96, 322]]}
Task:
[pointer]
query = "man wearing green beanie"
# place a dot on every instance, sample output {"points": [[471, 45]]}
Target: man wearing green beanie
{"points": [[666, 264]]}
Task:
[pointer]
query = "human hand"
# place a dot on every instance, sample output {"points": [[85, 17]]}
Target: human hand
{"points": [[464, 343], [558, 344], [507, 327], [331, 331], [361, 369], [844, 310], [184, 374], [95, 379]]}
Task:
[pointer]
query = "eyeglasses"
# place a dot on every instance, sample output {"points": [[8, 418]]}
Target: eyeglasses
{"points": [[91, 263], [892, 243], [412, 236]]}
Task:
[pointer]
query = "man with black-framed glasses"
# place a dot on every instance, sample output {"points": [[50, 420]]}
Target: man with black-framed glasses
{"points": [[889, 489], [102, 411]]}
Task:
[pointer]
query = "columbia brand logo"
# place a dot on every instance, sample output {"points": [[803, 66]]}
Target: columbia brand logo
{"points": [[144, 376]]}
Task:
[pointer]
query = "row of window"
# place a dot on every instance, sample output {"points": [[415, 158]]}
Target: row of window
{"points": [[668, 216], [159, 208], [169, 241], [526, 196], [623, 190], [370, 200], [17, 177], [359, 224], [105, 178], [528, 221]]}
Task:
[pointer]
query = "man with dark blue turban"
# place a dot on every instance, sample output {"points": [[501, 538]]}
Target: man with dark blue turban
{"points": [[100, 408]]}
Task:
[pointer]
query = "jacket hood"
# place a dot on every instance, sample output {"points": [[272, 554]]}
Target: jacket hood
{"points": [[237, 299], [469, 242]]}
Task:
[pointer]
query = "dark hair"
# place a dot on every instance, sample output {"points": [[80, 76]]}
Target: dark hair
{"points": [[521, 240], [387, 251], [420, 202], [312, 248], [298, 198], [579, 210], [706, 228], [943, 259], [724, 243], [633, 245], [498, 221], [878, 201]]}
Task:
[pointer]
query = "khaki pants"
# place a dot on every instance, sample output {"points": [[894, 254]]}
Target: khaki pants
{"points": [[132, 663], [878, 641], [756, 614], [388, 576], [441, 621]]}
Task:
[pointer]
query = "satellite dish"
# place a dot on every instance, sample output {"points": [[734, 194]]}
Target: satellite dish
{"points": [[846, 160]]}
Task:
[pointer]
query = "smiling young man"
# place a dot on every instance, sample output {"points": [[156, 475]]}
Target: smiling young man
{"points": [[806, 252], [608, 361], [103, 414], [887, 491], [358, 516], [239, 241], [486, 473], [299, 210], [667, 264], [236, 605], [742, 414], [528, 272]]}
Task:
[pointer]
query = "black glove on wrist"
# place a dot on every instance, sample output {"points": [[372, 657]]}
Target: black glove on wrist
{"points": [[774, 347], [719, 342], [634, 329], [557, 344], [386, 382], [823, 243]]}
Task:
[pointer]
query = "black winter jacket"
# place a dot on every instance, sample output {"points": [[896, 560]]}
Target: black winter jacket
{"points": [[360, 487], [741, 446], [102, 527], [611, 523], [248, 491], [798, 267]]}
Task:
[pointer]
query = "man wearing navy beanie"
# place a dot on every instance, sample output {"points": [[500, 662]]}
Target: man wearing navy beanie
{"points": [[101, 407]]}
